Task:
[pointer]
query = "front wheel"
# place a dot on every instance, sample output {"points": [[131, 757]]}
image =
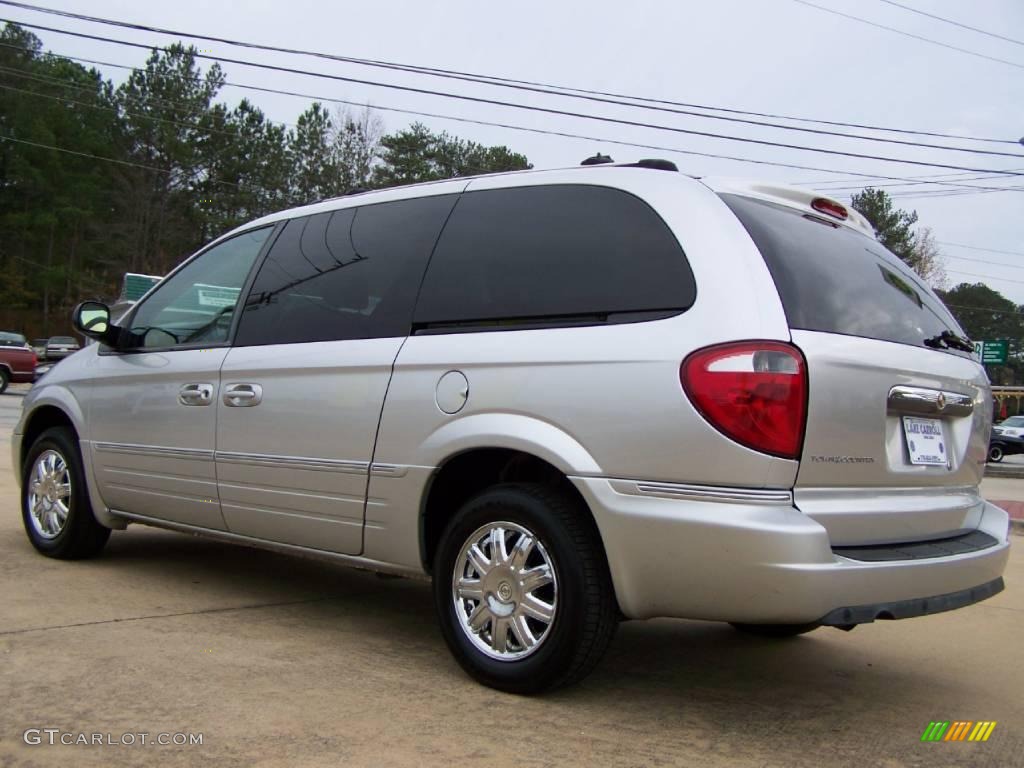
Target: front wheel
{"points": [[522, 589], [995, 453], [4, 379], [55, 504]]}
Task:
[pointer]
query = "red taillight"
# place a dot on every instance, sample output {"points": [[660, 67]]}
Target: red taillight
{"points": [[752, 391], [830, 207]]}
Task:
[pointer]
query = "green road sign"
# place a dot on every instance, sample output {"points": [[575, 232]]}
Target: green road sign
{"points": [[992, 352]]}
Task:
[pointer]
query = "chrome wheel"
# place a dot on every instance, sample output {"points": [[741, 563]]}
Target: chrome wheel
{"points": [[505, 591], [49, 494]]}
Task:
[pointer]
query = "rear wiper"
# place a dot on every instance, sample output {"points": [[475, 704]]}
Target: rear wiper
{"points": [[949, 340]]}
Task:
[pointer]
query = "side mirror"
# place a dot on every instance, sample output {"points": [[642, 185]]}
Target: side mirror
{"points": [[92, 319]]}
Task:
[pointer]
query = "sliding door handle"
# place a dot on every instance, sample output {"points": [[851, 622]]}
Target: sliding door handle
{"points": [[242, 395]]}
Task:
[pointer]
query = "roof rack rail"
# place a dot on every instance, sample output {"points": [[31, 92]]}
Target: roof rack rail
{"points": [[598, 159]]}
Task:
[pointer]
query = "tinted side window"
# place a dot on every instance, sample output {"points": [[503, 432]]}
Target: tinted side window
{"points": [[567, 250], [836, 280], [349, 274]]}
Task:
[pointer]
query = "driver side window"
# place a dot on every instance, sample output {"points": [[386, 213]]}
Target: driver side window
{"points": [[195, 307]]}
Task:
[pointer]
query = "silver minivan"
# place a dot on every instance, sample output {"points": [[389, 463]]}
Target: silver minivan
{"points": [[570, 397]]}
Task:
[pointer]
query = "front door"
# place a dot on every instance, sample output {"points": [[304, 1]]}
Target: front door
{"points": [[303, 386], [152, 406]]}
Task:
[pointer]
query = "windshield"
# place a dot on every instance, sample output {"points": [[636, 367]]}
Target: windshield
{"points": [[1015, 421], [836, 280], [62, 340]]}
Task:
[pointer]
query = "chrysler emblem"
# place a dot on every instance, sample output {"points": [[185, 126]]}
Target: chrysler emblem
{"points": [[940, 401]]}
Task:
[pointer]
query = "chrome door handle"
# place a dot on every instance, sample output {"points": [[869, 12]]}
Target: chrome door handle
{"points": [[243, 395], [196, 394]]}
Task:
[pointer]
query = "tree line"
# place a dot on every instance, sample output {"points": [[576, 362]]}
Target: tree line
{"points": [[154, 167]]}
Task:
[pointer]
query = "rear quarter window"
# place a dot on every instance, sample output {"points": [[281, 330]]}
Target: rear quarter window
{"points": [[835, 280]]}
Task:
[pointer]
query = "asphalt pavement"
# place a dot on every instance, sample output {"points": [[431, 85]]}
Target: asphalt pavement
{"points": [[278, 661]]}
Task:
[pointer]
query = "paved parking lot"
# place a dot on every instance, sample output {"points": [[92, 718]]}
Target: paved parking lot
{"points": [[280, 661]]}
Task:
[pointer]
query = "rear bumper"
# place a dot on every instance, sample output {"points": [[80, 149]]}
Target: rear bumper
{"points": [[906, 609], [752, 557]]}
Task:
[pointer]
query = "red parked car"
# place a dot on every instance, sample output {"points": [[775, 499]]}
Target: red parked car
{"points": [[17, 360]]}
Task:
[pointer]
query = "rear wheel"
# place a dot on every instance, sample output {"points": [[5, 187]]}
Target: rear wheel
{"points": [[995, 453], [55, 505], [522, 589], [4, 379], [777, 631]]}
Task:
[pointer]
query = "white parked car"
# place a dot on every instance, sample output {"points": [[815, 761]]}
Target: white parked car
{"points": [[1011, 427]]}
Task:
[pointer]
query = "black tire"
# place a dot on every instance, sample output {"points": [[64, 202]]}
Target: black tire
{"points": [[4, 379], [775, 631], [82, 535], [995, 453], [586, 613]]}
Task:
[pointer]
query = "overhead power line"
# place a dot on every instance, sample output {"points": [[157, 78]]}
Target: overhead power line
{"points": [[105, 108], [91, 156], [845, 186], [560, 90], [954, 23], [59, 82], [526, 107], [987, 309], [985, 277], [983, 261], [509, 126], [909, 34], [935, 177], [911, 194], [979, 248], [675, 150]]}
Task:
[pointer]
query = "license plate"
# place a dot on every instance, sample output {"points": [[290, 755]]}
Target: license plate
{"points": [[925, 441]]}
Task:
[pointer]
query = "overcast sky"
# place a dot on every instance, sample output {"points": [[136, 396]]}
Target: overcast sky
{"points": [[770, 56]]}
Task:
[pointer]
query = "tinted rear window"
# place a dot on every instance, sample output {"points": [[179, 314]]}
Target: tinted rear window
{"points": [[553, 252], [835, 280]]}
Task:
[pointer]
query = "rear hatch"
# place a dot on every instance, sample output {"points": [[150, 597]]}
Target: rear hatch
{"points": [[898, 416]]}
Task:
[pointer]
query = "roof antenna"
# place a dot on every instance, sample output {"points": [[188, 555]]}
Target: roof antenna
{"points": [[598, 159]]}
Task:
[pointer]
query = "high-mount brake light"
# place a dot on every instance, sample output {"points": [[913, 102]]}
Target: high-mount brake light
{"points": [[754, 392], [830, 208]]}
